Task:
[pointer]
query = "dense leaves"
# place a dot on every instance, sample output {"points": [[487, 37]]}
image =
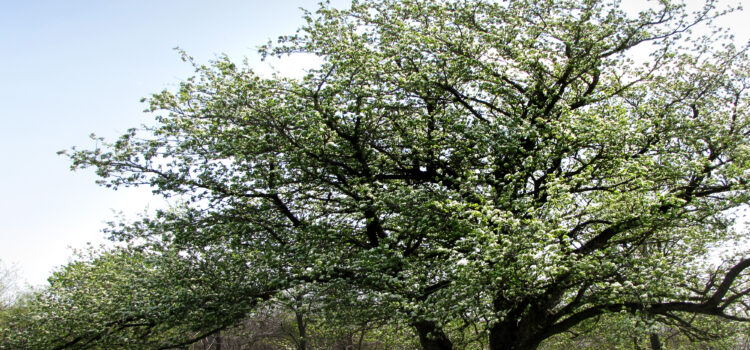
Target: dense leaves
{"points": [[485, 172], [129, 299]]}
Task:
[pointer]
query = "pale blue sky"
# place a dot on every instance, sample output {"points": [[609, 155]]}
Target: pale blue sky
{"points": [[69, 68], [72, 67]]}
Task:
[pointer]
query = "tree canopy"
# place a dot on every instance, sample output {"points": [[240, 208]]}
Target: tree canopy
{"points": [[506, 170]]}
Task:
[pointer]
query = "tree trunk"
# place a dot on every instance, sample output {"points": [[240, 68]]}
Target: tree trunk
{"points": [[509, 335], [217, 341], [361, 338], [655, 342], [302, 331], [431, 337]]}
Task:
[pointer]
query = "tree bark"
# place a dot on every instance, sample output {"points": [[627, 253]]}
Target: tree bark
{"points": [[521, 330], [431, 337], [302, 331], [506, 336], [217, 341], [655, 341]]}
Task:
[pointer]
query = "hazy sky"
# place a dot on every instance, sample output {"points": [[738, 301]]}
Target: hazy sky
{"points": [[73, 67]]}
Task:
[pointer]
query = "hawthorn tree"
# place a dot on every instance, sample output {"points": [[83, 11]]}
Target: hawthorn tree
{"points": [[515, 168]]}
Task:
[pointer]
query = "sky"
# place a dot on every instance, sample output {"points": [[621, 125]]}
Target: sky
{"points": [[70, 68]]}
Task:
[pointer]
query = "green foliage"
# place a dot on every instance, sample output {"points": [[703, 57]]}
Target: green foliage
{"points": [[485, 172], [128, 298], [622, 331]]}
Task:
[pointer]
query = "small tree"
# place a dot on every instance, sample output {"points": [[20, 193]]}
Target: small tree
{"points": [[505, 167]]}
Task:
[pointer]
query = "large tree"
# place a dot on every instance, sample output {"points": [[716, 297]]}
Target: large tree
{"points": [[514, 167]]}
